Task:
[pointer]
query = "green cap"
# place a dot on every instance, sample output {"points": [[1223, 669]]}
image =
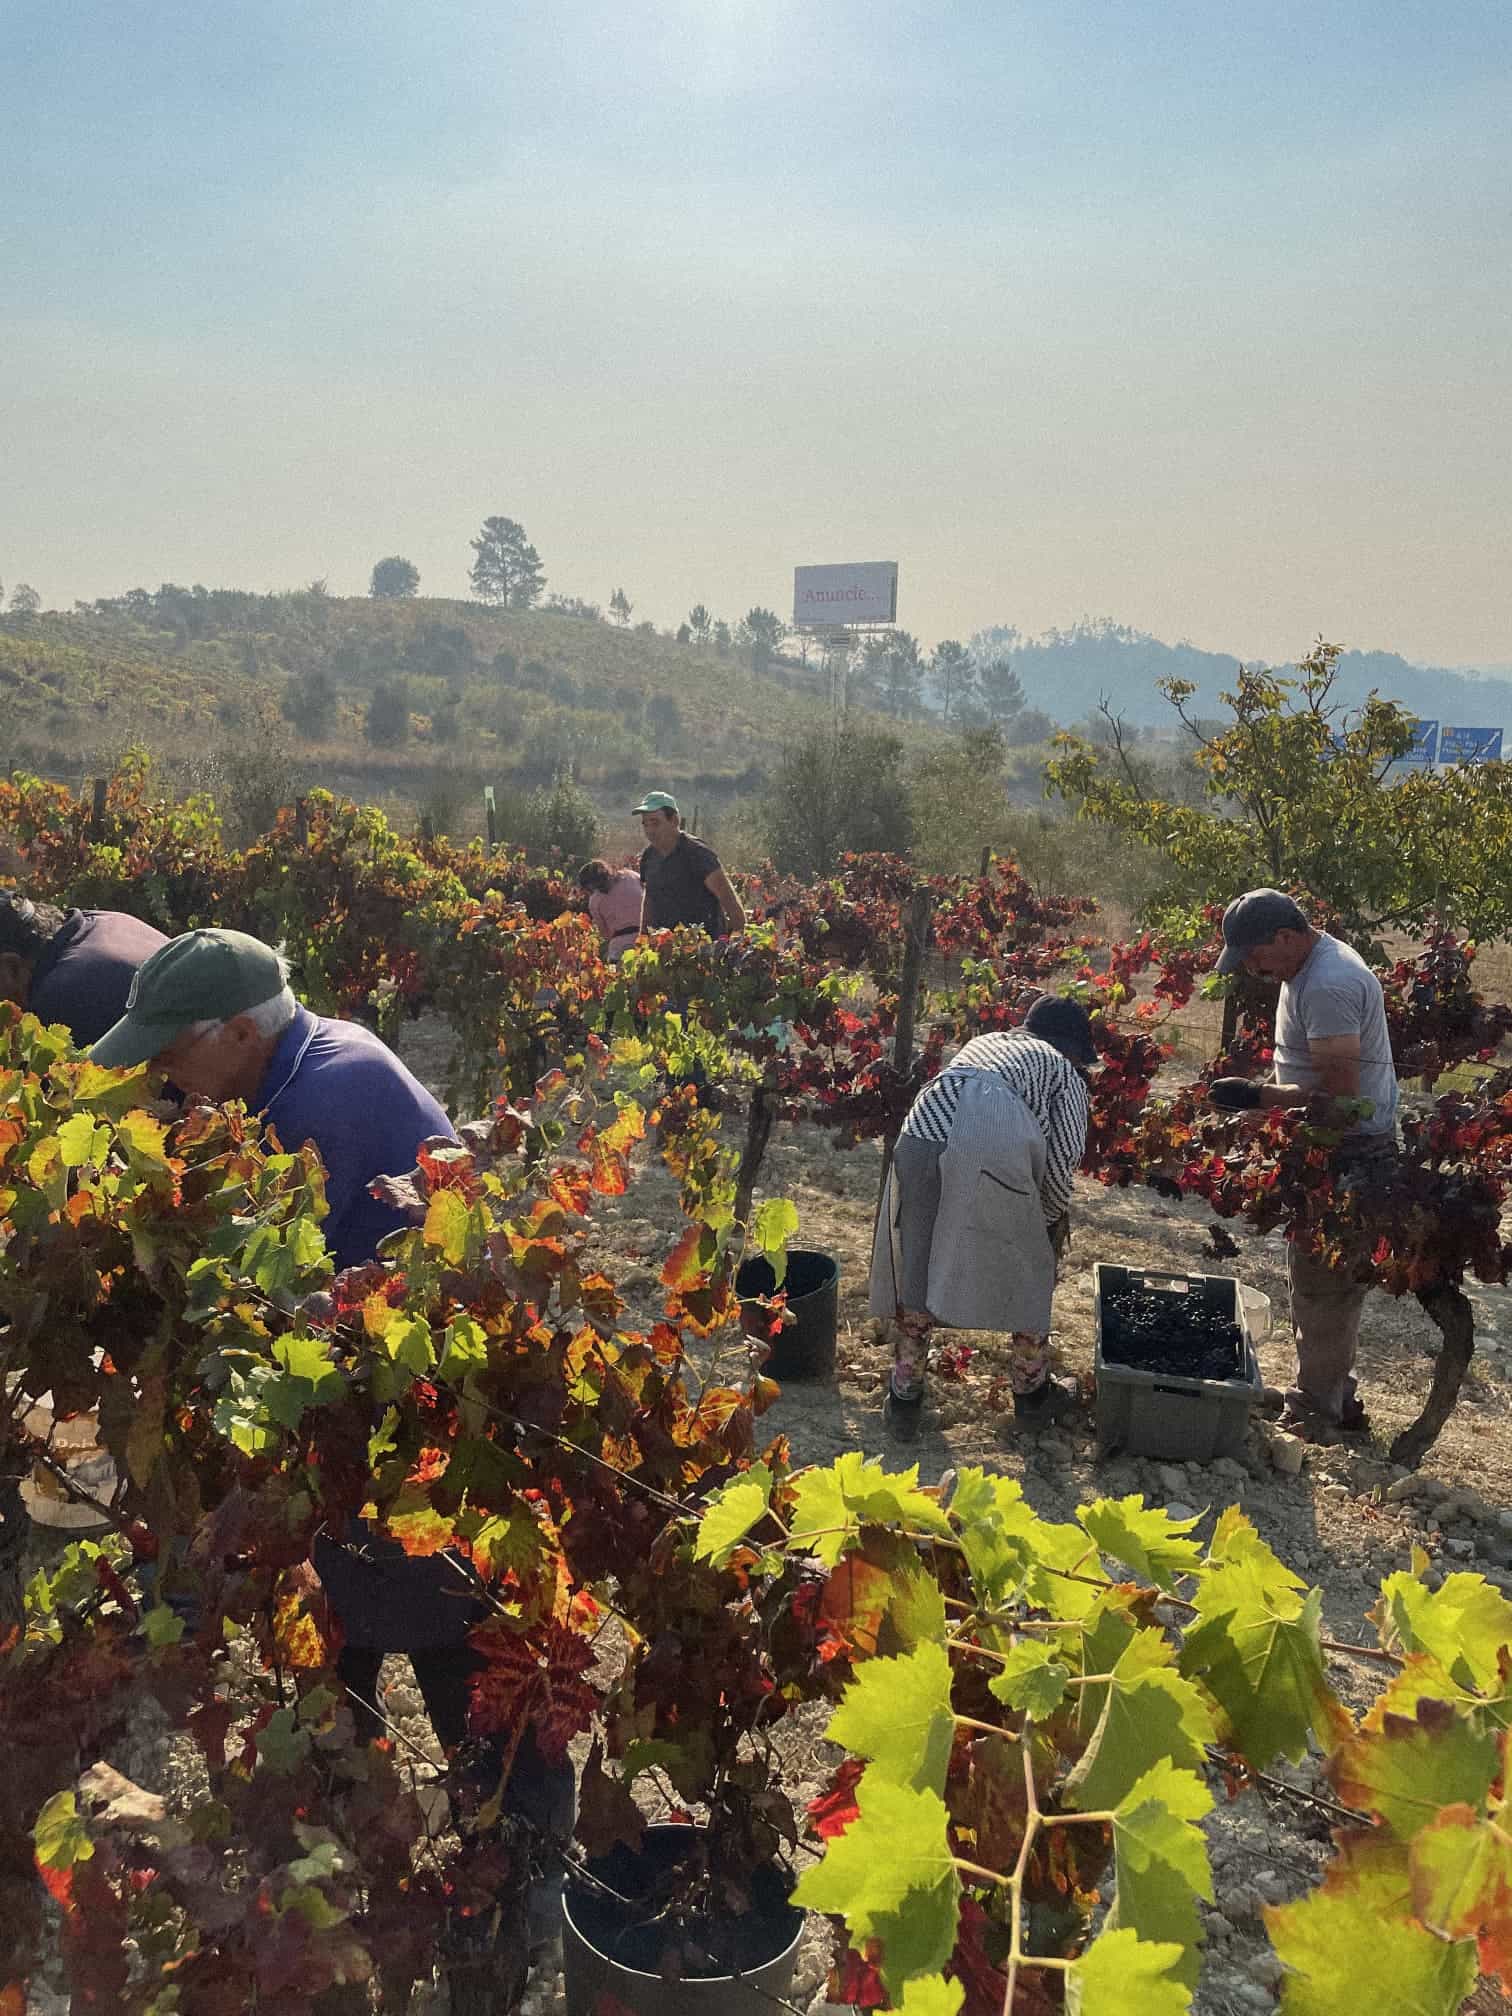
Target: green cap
{"points": [[657, 801], [205, 976]]}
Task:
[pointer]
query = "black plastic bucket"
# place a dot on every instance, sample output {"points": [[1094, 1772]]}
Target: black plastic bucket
{"points": [[600, 1961], [804, 1348]]}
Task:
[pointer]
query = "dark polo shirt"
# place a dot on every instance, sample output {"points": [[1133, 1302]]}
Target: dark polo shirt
{"points": [[82, 976], [675, 892]]}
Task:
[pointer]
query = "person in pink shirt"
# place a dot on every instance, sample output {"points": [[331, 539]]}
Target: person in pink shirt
{"points": [[614, 904]]}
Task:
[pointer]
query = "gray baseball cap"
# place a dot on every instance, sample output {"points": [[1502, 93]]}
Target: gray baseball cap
{"points": [[1254, 919]]}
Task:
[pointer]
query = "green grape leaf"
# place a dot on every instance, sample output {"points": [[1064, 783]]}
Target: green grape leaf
{"points": [[775, 1223], [1031, 1679], [1149, 1713], [931, 1995], [1162, 1863], [308, 1378], [1121, 1974], [59, 1836], [853, 1492], [446, 1226], [915, 1605], [1465, 1624], [1143, 1537], [896, 1713], [1462, 1884], [731, 1513], [1257, 1649], [1344, 1952], [82, 1143], [890, 1876], [1415, 1766]]}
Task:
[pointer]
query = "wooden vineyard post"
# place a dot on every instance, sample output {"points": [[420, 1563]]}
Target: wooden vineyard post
{"points": [[301, 824], [986, 859], [916, 938], [490, 813], [97, 811]]}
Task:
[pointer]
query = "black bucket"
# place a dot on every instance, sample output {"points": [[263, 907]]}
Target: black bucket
{"points": [[606, 1963], [804, 1348]]}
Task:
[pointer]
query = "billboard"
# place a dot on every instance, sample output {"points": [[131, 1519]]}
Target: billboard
{"points": [[864, 592], [1470, 745], [1424, 743]]}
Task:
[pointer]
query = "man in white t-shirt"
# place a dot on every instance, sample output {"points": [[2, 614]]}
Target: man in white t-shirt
{"points": [[1331, 1040]]}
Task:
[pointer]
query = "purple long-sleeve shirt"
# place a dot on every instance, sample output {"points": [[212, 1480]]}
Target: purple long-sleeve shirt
{"points": [[336, 1085]]}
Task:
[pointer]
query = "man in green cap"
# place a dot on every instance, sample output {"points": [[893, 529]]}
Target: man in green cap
{"points": [[214, 1010], [683, 879]]}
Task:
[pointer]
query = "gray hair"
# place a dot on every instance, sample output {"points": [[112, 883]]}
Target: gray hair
{"points": [[268, 1018]]}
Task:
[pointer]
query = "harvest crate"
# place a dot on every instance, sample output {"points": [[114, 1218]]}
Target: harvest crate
{"points": [[1160, 1413]]}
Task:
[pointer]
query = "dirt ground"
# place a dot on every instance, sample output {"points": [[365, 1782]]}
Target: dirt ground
{"points": [[1332, 1522]]}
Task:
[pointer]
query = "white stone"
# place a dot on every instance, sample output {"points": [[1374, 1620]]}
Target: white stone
{"points": [[1176, 1510], [1226, 1466], [1462, 1550], [1288, 1453], [1407, 1487], [1265, 1968], [1172, 1480]]}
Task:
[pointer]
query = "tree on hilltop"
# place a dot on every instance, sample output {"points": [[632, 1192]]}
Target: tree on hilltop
{"points": [[721, 637], [700, 623], [507, 570], [394, 579], [761, 632], [25, 601], [620, 607]]}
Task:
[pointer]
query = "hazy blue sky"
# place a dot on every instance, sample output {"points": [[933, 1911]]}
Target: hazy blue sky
{"points": [[1194, 315]]}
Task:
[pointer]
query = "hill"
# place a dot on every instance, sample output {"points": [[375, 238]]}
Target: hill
{"points": [[1067, 672], [391, 699]]}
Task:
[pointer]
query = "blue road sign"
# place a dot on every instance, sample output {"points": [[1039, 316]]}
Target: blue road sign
{"points": [[1470, 745], [1424, 743]]}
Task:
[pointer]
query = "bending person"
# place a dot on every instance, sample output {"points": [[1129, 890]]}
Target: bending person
{"points": [[975, 1210]]}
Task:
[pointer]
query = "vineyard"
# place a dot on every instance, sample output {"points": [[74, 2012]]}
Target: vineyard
{"points": [[1031, 1714]]}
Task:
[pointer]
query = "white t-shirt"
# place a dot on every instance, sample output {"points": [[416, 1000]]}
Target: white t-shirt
{"points": [[1336, 994]]}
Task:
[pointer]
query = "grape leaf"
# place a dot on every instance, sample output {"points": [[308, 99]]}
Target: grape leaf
{"points": [[1462, 1884], [916, 1605], [1162, 1862], [1257, 1648], [890, 1876], [1121, 1974], [896, 1713], [1144, 1537], [1464, 1624], [774, 1224], [1416, 1766], [1345, 1953], [731, 1513], [446, 1225], [1032, 1679], [1150, 1712], [932, 1995], [852, 1492]]}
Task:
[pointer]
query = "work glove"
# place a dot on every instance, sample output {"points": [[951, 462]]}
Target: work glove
{"points": [[1234, 1095]]}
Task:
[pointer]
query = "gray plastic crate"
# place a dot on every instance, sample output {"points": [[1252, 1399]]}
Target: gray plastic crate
{"points": [[1157, 1414]]}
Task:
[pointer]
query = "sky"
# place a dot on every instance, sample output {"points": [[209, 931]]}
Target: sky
{"points": [[1198, 316]]}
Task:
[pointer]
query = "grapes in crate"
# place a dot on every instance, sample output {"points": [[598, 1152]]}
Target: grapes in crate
{"points": [[1182, 1335]]}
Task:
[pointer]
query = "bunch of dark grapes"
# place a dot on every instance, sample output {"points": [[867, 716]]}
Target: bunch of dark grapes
{"points": [[1176, 1334]]}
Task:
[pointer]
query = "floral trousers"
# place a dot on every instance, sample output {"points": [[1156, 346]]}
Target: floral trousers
{"points": [[1028, 1363]]}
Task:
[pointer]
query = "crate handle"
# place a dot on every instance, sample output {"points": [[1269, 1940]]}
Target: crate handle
{"points": [[1181, 1392], [1174, 1284]]}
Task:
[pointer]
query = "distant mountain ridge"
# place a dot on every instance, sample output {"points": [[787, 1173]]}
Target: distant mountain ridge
{"points": [[1067, 673]]}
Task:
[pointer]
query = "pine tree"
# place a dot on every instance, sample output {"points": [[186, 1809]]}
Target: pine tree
{"points": [[507, 569]]}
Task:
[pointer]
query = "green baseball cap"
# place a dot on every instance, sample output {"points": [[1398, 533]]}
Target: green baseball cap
{"points": [[205, 976], [657, 801]]}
